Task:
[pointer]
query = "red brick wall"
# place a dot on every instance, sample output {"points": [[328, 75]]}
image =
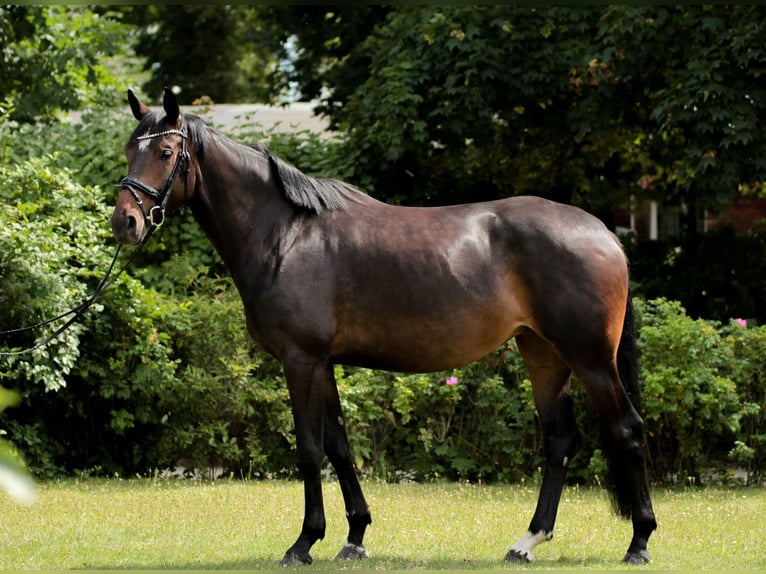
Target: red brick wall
{"points": [[745, 214]]}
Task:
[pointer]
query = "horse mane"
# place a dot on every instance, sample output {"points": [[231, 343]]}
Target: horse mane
{"points": [[301, 190], [312, 193]]}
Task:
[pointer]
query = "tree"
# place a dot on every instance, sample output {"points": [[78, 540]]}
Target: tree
{"points": [[463, 103], [53, 58], [331, 60], [472, 103], [206, 50], [702, 121]]}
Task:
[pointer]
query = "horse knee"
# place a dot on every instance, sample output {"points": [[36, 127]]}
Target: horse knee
{"points": [[310, 459]]}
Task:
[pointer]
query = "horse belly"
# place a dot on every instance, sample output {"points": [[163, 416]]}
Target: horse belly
{"points": [[425, 338]]}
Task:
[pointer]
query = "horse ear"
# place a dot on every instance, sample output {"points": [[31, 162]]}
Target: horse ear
{"points": [[137, 107], [170, 104]]}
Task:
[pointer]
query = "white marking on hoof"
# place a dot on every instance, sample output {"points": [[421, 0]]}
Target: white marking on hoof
{"points": [[522, 550]]}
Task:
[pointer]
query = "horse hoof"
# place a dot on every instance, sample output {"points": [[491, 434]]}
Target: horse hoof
{"points": [[352, 552], [637, 558], [293, 559], [518, 556]]}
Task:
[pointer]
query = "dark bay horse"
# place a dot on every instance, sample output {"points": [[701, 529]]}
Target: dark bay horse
{"points": [[329, 275]]}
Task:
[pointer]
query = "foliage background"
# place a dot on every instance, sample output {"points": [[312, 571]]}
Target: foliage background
{"points": [[493, 100], [132, 388]]}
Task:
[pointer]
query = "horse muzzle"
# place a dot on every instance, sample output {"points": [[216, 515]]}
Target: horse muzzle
{"points": [[128, 223]]}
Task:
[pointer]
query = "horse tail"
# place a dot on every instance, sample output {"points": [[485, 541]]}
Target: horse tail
{"points": [[622, 464], [627, 356]]}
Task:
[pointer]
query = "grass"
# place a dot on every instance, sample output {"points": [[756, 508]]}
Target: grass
{"points": [[152, 524]]}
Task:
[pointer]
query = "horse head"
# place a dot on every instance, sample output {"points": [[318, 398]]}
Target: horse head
{"points": [[158, 170]]}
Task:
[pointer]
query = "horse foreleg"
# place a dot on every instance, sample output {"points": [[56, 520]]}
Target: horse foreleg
{"points": [[306, 383], [550, 387], [338, 451]]}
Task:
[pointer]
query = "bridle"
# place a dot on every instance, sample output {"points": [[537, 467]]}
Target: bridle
{"points": [[153, 219], [156, 215]]}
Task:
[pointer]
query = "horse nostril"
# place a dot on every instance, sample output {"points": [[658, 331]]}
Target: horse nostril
{"points": [[131, 223]]}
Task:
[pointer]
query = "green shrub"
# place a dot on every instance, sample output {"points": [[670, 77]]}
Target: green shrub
{"points": [[473, 423], [47, 263], [690, 372], [228, 405], [749, 371], [131, 385], [161, 369]]}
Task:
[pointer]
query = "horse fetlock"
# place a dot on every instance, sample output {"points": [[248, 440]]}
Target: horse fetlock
{"points": [[296, 559], [522, 550], [352, 552], [637, 558]]}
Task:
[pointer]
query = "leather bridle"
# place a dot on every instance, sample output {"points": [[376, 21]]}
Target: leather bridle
{"points": [[156, 214]]}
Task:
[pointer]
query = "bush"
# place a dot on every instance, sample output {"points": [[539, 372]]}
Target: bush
{"points": [[749, 371], [228, 405], [699, 386], [130, 385], [704, 398], [475, 423], [161, 369]]}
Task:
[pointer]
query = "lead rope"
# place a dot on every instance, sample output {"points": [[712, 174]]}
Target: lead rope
{"points": [[155, 219], [78, 310]]}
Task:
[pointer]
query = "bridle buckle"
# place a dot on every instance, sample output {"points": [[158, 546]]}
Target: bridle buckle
{"points": [[156, 216]]}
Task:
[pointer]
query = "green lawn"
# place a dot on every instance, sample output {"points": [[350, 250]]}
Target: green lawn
{"points": [[138, 524]]}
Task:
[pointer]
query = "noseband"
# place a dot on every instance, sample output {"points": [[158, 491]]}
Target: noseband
{"points": [[156, 215]]}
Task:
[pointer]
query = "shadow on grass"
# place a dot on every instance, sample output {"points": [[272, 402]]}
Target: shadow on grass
{"points": [[385, 563]]}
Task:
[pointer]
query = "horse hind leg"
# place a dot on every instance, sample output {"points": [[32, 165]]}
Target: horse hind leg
{"points": [[622, 440], [337, 447], [550, 387]]}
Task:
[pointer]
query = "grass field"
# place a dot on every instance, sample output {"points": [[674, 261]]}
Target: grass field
{"points": [[148, 524]]}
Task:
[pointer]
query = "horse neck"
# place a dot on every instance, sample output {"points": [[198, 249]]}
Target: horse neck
{"points": [[239, 207]]}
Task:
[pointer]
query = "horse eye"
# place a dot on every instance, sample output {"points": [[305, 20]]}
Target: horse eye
{"points": [[166, 154]]}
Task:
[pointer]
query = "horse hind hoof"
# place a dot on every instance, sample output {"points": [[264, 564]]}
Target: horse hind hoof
{"points": [[294, 559], [352, 552], [637, 558], [518, 556]]}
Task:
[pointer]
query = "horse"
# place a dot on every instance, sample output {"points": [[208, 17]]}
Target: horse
{"points": [[329, 275]]}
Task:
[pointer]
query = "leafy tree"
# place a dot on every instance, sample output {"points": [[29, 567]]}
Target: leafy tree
{"points": [[693, 76], [330, 61], [458, 103], [53, 58], [471, 103], [206, 50]]}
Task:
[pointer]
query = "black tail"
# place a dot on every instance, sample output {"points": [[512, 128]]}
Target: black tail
{"points": [[625, 463], [627, 357]]}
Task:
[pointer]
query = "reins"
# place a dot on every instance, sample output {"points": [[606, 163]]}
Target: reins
{"points": [[153, 220], [78, 310]]}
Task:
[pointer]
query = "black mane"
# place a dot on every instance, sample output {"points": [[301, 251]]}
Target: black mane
{"points": [[312, 193]]}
